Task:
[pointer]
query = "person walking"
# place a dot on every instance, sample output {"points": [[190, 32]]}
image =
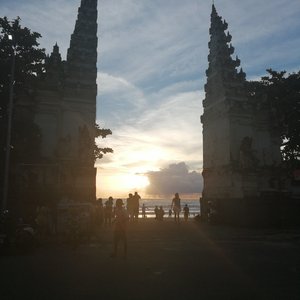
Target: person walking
{"points": [[120, 228]]}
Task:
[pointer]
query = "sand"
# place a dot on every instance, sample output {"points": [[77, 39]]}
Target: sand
{"points": [[165, 261]]}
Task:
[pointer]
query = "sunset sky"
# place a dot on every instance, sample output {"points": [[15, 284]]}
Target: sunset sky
{"points": [[152, 57]]}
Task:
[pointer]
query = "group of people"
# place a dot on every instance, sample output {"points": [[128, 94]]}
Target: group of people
{"points": [[120, 216], [106, 212], [159, 213], [133, 206]]}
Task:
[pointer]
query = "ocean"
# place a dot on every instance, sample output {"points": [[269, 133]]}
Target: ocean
{"points": [[150, 204]]}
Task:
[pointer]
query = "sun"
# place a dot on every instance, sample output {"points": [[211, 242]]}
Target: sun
{"points": [[119, 184], [135, 181]]}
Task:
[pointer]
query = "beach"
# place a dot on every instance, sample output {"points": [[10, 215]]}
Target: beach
{"points": [[165, 260]]}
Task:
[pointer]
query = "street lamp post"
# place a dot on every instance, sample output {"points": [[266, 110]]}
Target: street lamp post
{"points": [[9, 125]]}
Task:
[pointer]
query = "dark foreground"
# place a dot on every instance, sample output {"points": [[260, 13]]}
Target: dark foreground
{"points": [[165, 261]]}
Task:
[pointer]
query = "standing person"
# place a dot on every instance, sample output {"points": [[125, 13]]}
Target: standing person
{"points": [[186, 212], [108, 211], [156, 212], [176, 207], [120, 228], [130, 205], [144, 210], [136, 205]]}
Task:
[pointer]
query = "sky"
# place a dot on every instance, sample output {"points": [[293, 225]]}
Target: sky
{"points": [[152, 58]]}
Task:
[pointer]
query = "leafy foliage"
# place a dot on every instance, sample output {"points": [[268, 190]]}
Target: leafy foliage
{"points": [[29, 57], [281, 93], [103, 133], [29, 64]]}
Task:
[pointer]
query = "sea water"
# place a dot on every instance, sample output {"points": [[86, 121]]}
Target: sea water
{"points": [[150, 204]]}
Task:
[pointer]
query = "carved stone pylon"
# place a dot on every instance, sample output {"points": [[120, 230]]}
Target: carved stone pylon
{"points": [[236, 137], [66, 109]]}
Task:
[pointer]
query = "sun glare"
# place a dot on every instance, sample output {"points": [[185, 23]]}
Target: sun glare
{"points": [[120, 184], [135, 181]]}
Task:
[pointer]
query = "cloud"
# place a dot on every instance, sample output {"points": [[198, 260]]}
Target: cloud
{"points": [[264, 37], [118, 100], [153, 42], [54, 20], [174, 178], [150, 44], [169, 132]]}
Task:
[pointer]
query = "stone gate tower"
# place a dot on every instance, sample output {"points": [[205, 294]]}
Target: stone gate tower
{"points": [[66, 113], [240, 149]]}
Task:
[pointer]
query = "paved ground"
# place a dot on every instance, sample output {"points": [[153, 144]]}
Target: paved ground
{"points": [[165, 261]]}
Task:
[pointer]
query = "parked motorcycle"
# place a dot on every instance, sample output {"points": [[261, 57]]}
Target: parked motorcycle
{"points": [[16, 237]]}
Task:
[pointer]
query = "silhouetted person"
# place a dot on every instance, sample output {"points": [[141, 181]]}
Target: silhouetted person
{"points": [[120, 228], [186, 212], [136, 205], [156, 212], [144, 210], [130, 205], [108, 211], [170, 213], [160, 213], [99, 212], [176, 207]]}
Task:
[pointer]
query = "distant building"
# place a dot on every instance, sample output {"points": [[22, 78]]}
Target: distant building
{"points": [[64, 108], [241, 146]]}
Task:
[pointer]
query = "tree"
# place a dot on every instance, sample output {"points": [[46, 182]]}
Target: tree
{"points": [[280, 92], [29, 57], [29, 62], [19, 45], [101, 132], [21, 63]]}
